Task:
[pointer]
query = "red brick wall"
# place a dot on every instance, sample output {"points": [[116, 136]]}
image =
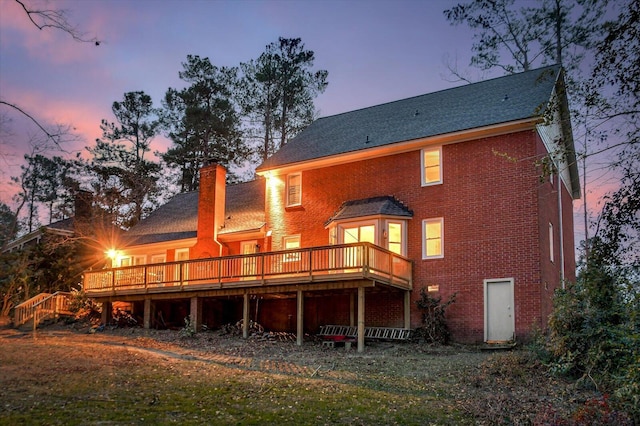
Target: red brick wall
{"points": [[211, 208], [381, 310], [549, 212], [489, 200], [569, 237], [233, 248]]}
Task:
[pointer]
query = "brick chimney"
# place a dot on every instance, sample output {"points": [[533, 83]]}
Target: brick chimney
{"points": [[211, 210]]}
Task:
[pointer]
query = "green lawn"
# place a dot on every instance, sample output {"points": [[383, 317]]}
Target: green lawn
{"points": [[68, 378]]}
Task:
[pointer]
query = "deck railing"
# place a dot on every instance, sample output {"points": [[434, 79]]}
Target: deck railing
{"points": [[326, 263], [41, 307]]}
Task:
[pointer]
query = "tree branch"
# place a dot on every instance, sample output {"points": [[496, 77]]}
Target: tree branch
{"points": [[52, 18], [55, 138]]}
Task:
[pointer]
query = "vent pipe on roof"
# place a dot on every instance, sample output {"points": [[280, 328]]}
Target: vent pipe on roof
{"points": [[367, 141]]}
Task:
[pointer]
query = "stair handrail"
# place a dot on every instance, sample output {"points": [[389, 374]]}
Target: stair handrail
{"points": [[37, 305], [24, 311]]}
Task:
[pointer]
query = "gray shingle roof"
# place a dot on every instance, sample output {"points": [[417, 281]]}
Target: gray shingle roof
{"points": [[499, 100], [385, 205], [178, 218], [245, 207], [63, 225]]}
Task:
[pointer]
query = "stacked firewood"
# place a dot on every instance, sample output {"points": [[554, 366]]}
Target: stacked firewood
{"points": [[236, 329], [275, 336], [257, 332]]}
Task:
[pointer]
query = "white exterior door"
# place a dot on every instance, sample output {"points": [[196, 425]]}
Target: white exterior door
{"points": [[356, 234], [248, 263], [180, 256], [499, 319]]}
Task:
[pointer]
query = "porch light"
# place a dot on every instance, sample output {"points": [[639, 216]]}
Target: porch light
{"points": [[112, 254]]}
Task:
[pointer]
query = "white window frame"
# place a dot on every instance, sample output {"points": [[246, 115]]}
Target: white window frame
{"points": [[158, 258], [359, 224], [403, 235], [139, 259], [297, 202], [423, 175], [181, 270], [291, 257], [180, 252], [551, 237], [425, 256]]}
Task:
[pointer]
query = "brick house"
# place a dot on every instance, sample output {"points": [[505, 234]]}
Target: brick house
{"points": [[350, 219]]}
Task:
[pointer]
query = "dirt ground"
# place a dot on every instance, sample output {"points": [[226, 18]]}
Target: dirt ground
{"points": [[491, 388], [255, 353]]}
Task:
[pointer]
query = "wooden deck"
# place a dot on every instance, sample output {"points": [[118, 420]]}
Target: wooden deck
{"points": [[277, 270]]}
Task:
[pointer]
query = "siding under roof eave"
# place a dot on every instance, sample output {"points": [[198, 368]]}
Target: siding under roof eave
{"points": [[567, 133]]}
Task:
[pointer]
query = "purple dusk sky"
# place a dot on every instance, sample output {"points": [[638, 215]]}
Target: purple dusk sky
{"points": [[376, 51]]}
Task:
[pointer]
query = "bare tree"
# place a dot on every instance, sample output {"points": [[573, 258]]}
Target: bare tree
{"points": [[56, 19], [518, 36], [55, 136], [49, 19]]}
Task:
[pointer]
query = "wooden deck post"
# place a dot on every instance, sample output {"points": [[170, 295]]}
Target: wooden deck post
{"points": [[300, 318], [407, 309], [195, 313], [360, 319], [245, 316], [107, 313], [147, 313], [352, 309]]}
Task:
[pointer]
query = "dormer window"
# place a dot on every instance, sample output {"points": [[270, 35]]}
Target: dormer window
{"points": [[294, 189]]}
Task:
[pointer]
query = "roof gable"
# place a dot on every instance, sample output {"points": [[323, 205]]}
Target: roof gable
{"points": [[499, 100]]}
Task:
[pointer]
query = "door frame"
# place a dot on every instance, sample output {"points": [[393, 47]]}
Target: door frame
{"points": [[487, 283]]}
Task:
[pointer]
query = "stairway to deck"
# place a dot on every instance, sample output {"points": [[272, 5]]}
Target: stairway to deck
{"points": [[33, 312]]}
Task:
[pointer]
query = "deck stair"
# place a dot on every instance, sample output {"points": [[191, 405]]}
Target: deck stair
{"points": [[42, 307]]}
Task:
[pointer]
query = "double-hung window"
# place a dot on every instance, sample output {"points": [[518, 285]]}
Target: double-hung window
{"points": [[431, 162], [551, 248], [433, 238], [294, 189], [395, 237]]}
